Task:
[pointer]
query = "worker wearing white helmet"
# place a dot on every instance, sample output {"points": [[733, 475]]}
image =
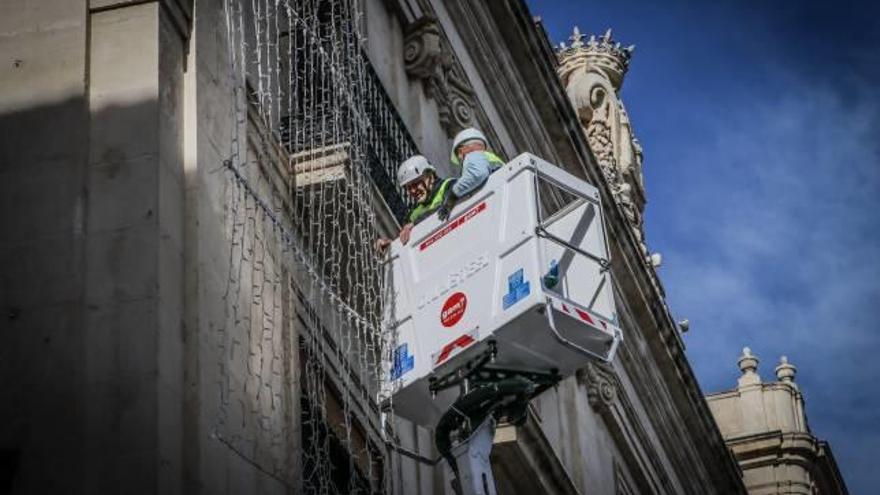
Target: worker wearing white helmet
{"points": [[419, 179], [470, 151]]}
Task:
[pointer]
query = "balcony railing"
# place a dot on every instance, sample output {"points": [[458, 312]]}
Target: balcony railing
{"points": [[384, 139]]}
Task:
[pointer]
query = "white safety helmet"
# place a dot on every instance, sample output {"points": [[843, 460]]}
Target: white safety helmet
{"points": [[469, 134], [413, 168]]}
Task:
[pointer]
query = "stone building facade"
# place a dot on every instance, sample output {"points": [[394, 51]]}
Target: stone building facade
{"points": [[161, 323], [765, 425]]}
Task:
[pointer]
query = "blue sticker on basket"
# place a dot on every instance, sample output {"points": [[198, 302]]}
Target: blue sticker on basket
{"points": [[517, 289], [403, 362], [552, 277]]}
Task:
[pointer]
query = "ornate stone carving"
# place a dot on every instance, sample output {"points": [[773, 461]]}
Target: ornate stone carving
{"points": [[426, 55], [592, 73], [601, 386], [422, 49], [599, 135]]}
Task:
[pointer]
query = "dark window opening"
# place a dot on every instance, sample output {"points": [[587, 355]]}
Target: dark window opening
{"points": [[9, 461], [338, 472]]}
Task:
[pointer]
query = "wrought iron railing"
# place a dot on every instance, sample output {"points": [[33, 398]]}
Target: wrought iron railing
{"points": [[388, 144], [391, 145]]}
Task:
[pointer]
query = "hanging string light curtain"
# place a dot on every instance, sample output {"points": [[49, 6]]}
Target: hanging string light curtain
{"points": [[313, 137]]}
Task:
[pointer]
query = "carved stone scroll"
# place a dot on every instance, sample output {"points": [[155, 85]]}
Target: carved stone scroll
{"points": [[427, 56], [422, 49], [601, 386]]}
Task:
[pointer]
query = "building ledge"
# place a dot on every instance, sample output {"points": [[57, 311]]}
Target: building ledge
{"points": [[524, 462]]}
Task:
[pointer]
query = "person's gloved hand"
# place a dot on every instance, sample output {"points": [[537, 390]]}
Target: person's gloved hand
{"points": [[449, 199], [443, 212]]}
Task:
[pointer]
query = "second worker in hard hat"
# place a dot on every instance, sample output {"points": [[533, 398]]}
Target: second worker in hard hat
{"points": [[419, 179], [470, 151]]}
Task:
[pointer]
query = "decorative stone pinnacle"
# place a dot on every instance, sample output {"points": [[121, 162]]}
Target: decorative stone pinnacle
{"points": [[748, 363], [603, 53], [576, 38], [785, 372]]}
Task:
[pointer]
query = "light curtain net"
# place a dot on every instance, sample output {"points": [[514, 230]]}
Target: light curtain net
{"points": [[312, 154]]}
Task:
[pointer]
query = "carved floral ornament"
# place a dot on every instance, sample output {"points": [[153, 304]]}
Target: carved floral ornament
{"points": [[426, 55], [601, 386]]}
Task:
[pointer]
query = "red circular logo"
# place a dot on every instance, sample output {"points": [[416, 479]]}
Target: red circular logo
{"points": [[453, 309]]}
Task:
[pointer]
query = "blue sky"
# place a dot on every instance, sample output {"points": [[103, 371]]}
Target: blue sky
{"points": [[760, 122]]}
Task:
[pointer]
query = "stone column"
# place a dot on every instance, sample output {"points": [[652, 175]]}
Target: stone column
{"points": [[134, 252]]}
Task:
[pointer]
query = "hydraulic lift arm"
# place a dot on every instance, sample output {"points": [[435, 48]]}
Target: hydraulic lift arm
{"points": [[465, 433]]}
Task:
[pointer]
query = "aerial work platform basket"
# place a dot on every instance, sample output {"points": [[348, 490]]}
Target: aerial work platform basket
{"points": [[520, 268]]}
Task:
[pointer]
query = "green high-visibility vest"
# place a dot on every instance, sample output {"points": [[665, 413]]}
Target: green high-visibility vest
{"points": [[494, 160], [424, 208]]}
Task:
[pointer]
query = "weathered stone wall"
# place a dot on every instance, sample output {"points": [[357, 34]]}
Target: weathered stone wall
{"points": [[116, 257], [243, 371], [93, 162], [44, 119]]}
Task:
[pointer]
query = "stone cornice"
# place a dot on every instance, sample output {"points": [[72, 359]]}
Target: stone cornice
{"points": [[180, 12], [764, 386], [775, 444], [802, 449], [681, 445], [829, 478]]}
